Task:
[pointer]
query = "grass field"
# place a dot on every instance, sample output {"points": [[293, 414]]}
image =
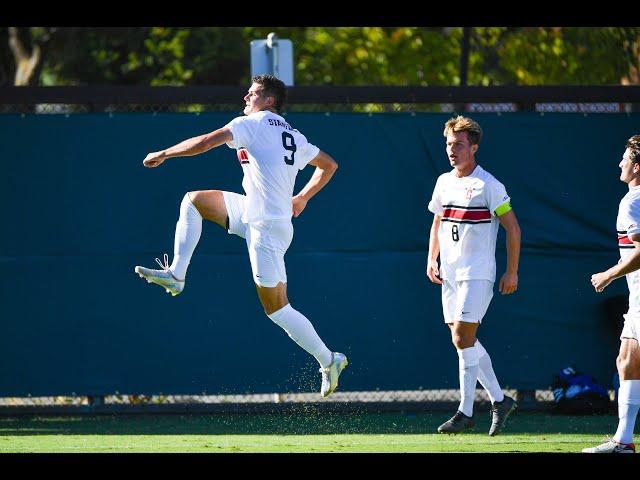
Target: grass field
{"points": [[307, 432]]}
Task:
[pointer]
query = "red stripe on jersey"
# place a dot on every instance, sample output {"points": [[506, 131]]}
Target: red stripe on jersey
{"points": [[466, 214], [624, 240], [243, 156]]}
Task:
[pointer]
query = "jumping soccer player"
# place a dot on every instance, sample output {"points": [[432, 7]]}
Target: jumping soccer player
{"points": [[270, 152]]}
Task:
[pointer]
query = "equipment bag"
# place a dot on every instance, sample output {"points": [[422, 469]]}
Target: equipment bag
{"points": [[576, 393]]}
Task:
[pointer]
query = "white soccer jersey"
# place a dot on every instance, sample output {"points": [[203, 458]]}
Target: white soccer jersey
{"points": [[271, 153], [469, 225], [628, 223]]}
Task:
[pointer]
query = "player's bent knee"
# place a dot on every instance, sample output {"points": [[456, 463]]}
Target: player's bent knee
{"points": [[198, 197], [620, 362], [457, 341], [273, 306], [462, 341], [626, 368], [210, 204], [273, 297], [189, 197], [186, 205], [193, 198]]}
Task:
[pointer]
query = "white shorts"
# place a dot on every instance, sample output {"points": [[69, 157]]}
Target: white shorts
{"points": [[631, 326], [466, 300], [267, 241]]}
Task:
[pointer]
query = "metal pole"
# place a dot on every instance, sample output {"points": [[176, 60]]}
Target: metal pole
{"points": [[272, 45], [464, 56], [464, 64]]}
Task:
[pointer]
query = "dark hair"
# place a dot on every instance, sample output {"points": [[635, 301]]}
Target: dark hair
{"points": [[633, 144], [272, 87]]}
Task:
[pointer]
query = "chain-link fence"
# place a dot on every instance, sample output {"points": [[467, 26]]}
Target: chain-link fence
{"points": [[368, 99], [67, 109], [423, 400]]}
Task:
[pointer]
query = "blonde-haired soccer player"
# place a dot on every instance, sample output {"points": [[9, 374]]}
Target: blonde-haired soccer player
{"points": [[628, 361], [270, 152], [468, 203]]}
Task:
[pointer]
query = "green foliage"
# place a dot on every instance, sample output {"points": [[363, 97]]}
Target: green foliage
{"points": [[147, 56], [333, 55], [371, 55], [551, 56]]}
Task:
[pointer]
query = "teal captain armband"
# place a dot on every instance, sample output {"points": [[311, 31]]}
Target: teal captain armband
{"points": [[502, 209]]}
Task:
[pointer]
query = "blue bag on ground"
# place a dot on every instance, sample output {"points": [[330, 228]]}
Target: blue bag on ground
{"points": [[576, 393]]}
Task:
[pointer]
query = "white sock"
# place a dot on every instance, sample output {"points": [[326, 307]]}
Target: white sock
{"points": [[302, 332], [486, 375], [468, 366], [628, 405], [188, 230]]}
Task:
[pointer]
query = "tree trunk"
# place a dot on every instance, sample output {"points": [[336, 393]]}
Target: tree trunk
{"points": [[26, 62]]}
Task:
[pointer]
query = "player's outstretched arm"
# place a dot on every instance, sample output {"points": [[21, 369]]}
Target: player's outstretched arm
{"points": [[509, 281], [630, 264], [189, 147], [434, 250], [325, 168]]}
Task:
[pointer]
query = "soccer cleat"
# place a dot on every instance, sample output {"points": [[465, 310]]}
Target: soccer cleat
{"points": [[499, 412], [331, 373], [163, 277], [611, 446], [457, 423]]}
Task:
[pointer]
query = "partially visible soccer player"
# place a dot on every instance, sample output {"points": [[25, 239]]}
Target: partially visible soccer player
{"points": [[628, 361], [270, 152], [468, 203]]}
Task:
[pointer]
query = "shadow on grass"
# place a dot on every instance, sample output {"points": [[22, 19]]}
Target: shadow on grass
{"points": [[306, 422]]}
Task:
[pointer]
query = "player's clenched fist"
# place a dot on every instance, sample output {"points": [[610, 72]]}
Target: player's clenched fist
{"points": [[600, 281], [153, 159]]}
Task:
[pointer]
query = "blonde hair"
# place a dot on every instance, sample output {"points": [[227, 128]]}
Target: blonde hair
{"points": [[464, 124]]}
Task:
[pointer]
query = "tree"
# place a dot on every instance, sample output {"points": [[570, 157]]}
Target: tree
{"points": [[26, 45], [557, 55], [149, 56], [322, 56], [126, 56], [371, 55]]}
